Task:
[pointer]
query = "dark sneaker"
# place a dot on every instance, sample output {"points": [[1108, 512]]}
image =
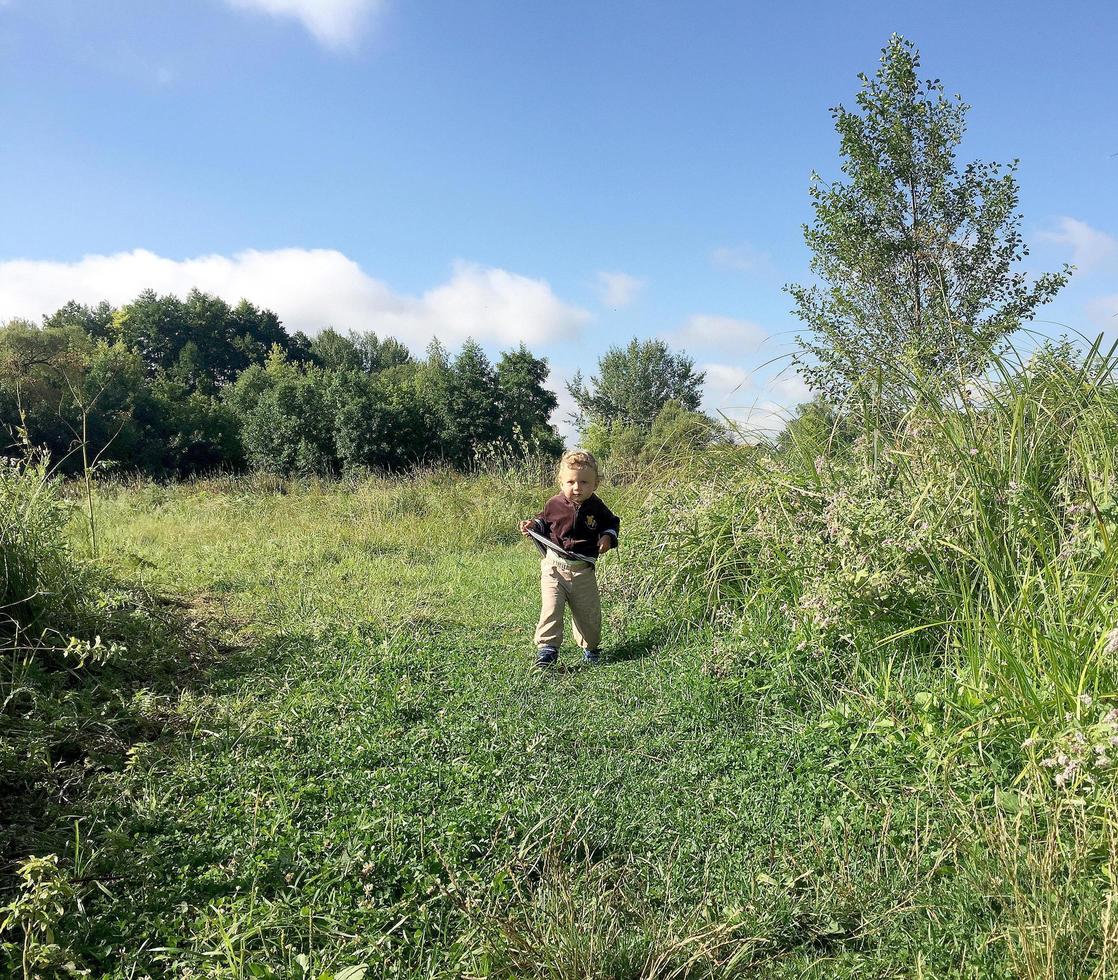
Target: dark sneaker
{"points": [[546, 656], [591, 656]]}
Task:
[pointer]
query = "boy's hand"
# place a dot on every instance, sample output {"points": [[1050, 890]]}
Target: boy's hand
{"points": [[525, 526], [605, 542]]}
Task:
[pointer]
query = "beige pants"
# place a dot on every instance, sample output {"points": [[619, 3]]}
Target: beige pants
{"points": [[566, 583]]}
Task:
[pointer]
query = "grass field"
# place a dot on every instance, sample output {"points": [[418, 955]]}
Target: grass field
{"points": [[364, 773]]}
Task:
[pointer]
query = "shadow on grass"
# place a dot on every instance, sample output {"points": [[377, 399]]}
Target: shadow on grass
{"points": [[636, 647], [65, 722]]}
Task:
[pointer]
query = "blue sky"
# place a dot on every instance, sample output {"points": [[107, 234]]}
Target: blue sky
{"points": [[568, 174]]}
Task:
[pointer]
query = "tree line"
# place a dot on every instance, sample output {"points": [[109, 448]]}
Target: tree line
{"points": [[170, 386]]}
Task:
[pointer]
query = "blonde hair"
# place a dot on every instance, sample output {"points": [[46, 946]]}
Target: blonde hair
{"points": [[576, 459]]}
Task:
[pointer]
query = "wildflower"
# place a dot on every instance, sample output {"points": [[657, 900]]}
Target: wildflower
{"points": [[973, 452], [1110, 643], [1063, 778], [1030, 742], [1085, 700]]}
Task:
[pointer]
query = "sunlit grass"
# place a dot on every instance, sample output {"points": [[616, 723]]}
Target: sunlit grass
{"points": [[852, 719]]}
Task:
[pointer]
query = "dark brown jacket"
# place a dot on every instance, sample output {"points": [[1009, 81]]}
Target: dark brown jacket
{"points": [[577, 527]]}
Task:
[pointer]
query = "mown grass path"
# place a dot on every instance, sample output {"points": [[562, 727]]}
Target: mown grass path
{"points": [[377, 777]]}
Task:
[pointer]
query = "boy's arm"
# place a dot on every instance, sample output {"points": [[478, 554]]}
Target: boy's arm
{"points": [[611, 524]]}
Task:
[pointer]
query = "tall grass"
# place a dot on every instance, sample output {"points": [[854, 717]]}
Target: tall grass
{"points": [[40, 581], [977, 531]]}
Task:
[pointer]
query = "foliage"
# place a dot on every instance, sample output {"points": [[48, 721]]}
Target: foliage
{"points": [[526, 405], [285, 419], [675, 434], [89, 667], [172, 387], [45, 895], [357, 351], [677, 431], [41, 584], [201, 341], [981, 534], [634, 383], [857, 784], [916, 257], [59, 386]]}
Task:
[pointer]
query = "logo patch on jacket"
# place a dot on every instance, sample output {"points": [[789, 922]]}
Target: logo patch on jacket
{"points": [[591, 521]]}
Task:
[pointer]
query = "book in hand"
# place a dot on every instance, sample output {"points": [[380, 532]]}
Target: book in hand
{"points": [[546, 544]]}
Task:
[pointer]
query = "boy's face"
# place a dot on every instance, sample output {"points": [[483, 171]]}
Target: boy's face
{"points": [[577, 483]]}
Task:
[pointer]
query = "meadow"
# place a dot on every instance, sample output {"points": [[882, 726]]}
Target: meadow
{"points": [[854, 716]]}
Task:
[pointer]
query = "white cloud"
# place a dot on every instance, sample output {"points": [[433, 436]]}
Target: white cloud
{"points": [[308, 289], [789, 389], [725, 382], [756, 409], [741, 258], [618, 289], [1089, 246], [334, 23], [718, 333], [557, 382]]}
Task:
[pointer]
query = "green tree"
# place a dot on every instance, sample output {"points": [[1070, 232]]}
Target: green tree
{"points": [[377, 422], [676, 431], [525, 404], [473, 403], [201, 341], [815, 429], [380, 354], [633, 383], [431, 385], [39, 367], [916, 258], [336, 352], [154, 327], [253, 332], [184, 431], [614, 441], [59, 389], [287, 425], [97, 321]]}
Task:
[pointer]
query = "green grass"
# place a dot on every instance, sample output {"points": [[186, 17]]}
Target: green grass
{"points": [[372, 775]]}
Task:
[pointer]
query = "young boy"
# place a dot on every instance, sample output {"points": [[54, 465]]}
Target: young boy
{"points": [[577, 521]]}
